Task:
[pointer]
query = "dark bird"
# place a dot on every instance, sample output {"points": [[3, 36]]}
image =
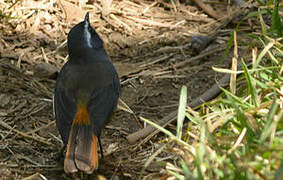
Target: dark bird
{"points": [[86, 94]]}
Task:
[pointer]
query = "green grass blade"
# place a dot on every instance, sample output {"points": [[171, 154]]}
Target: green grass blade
{"points": [[186, 170], [178, 176], [172, 136], [267, 130], [262, 53], [251, 84], [193, 119], [241, 117], [181, 111], [235, 99], [276, 26], [263, 25], [229, 45]]}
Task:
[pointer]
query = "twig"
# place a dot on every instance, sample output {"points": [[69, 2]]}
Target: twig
{"points": [[151, 62], [150, 6], [19, 62], [35, 176], [121, 22], [40, 140], [106, 7], [62, 8], [169, 77], [14, 56], [150, 23], [123, 106], [194, 17], [207, 9], [128, 80], [44, 55], [233, 78], [40, 128], [202, 55]]}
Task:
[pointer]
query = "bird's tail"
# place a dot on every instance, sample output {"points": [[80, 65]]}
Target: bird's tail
{"points": [[82, 145]]}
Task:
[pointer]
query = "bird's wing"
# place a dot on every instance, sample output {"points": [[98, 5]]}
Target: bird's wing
{"points": [[65, 109], [102, 103]]}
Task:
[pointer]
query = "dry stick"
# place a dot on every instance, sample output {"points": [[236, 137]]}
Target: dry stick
{"points": [[42, 127], [35, 176], [62, 8], [207, 9], [14, 56], [123, 106], [150, 22], [233, 78], [206, 96], [121, 22], [150, 6], [6, 126], [204, 54]]}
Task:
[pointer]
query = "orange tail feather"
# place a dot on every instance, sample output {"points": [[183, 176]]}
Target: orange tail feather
{"points": [[82, 145], [69, 163]]}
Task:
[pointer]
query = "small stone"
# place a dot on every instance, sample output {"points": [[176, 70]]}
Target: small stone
{"points": [[4, 99]]}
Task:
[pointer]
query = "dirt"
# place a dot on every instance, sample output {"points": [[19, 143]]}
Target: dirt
{"points": [[29, 140]]}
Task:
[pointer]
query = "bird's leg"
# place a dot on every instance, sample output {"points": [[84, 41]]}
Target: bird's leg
{"points": [[100, 146]]}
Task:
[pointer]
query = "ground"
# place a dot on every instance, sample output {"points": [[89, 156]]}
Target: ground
{"points": [[146, 40]]}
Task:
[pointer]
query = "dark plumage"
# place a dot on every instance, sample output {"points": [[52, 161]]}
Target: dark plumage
{"points": [[86, 94]]}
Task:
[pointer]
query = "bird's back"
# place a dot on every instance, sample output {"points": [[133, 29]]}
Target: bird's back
{"points": [[94, 82]]}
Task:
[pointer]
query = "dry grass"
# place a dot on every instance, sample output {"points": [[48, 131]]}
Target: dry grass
{"points": [[143, 38]]}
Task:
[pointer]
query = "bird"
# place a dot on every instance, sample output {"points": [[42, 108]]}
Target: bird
{"points": [[86, 94]]}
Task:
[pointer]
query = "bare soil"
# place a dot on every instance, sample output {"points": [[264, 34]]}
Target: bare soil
{"points": [[144, 44]]}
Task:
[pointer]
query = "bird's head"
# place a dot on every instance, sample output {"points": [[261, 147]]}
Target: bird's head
{"points": [[82, 37]]}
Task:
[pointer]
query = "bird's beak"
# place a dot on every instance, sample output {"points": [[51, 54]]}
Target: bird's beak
{"points": [[87, 18]]}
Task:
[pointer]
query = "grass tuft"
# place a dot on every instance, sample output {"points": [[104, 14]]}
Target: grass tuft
{"points": [[238, 135]]}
